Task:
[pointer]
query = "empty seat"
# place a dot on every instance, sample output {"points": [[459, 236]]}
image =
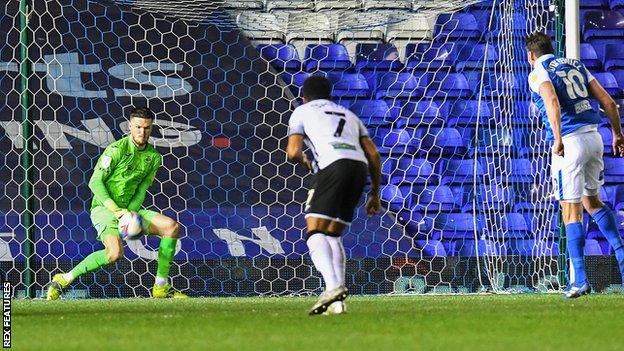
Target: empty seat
{"points": [[432, 199], [387, 5], [461, 172], [613, 170], [280, 56], [243, 5], [309, 26], [441, 141], [618, 200], [589, 57], [603, 24], [456, 226], [326, 57], [262, 25], [272, 5], [377, 56], [466, 112], [453, 85], [500, 225], [592, 248], [543, 224], [420, 113], [395, 197], [295, 81], [490, 197], [412, 28], [494, 85], [593, 4], [533, 248], [429, 248], [414, 171], [395, 141], [373, 112], [332, 5], [350, 85], [478, 57], [401, 85], [455, 26], [609, 83], [473, 248], [616, 4], [427, 56]]}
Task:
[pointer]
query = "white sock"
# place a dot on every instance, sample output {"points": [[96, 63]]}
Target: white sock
{"points": [[69, 277], [338, 257], [160, 282], [321, 254]]}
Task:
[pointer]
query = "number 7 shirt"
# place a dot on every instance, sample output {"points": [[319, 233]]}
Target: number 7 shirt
{"points": [[330, 130]]}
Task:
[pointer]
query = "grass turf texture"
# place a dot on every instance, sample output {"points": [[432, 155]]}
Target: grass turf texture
{"points": [[490, 322]]}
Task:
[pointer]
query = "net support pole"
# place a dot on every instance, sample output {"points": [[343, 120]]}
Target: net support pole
{"points": [[26, 157], [572, 31]]}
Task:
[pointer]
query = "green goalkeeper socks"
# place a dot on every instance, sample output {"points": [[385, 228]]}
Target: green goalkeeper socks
{"points": [[166, 251], [90, 263]]}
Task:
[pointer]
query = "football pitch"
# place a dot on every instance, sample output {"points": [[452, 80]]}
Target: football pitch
{"points": [[476, 322]]}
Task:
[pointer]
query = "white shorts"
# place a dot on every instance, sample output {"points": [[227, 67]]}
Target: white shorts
{"points": [[580, 172]]}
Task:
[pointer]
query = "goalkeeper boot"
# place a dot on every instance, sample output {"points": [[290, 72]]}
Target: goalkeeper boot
{"points": [[327, 298], [575, 291], [56, 286], [167, 292], [337, 307]]}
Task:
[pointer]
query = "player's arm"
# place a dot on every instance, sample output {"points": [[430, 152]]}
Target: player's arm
{"points": [[611, 110], [294, 150], [103, 169], [374, 168], [139, 196], [553, 111]]}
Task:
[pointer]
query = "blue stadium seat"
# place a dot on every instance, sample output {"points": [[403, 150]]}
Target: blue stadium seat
{"points": [[619, 78], [593, 4], [395, 197], [467, 248], [295, 81], [430, 248], [589, 57], [440, 141], [425, 112], [607, 139], [542, 224], [394, 141], [466, 112], [614, 170], [603, 24], [460, 171], [373, 112], [616, 4], [509, 225], [377, 56], [414, 171], [281, 56], [429, 56], [401, 85], [592, 248], [609, 83], [534, 248], [432, 199], [453, 85], [478, 57], [491, 197], [491, 141], [349, 85], [457, 26], [496, 84], [326, 57], [618, 199], [613, 56], [530, 142], [456, 225], [510, 170]]}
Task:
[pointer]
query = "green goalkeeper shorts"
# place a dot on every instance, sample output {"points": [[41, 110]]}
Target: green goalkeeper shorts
{"points": [[106, 223]]}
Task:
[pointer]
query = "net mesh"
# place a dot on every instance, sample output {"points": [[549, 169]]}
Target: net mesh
{"points": [[442, 89]]}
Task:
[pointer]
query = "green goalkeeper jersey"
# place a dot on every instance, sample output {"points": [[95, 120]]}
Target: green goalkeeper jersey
{"points": [[123, 173]]}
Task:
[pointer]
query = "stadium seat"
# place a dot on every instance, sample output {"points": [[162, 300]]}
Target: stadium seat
{"points": [[510, 170], [414, 171], [466, 112], [440, 141], [614, 170], [542, 224], [411, 29], [592, 248], [534, 248], [432, 199], [460, 172], [334, 5], [613, 56], [272, 5], [387, 5], [401, 85], [468, 248], [616, 4], [254, 5], [417, 114], [262, 25], [490, 141], [602, 24], [490, 197], [607, 138], [618, 199], [478, 57], [373, 112], [395, 141], [295, 81], [326, 57], [589, 57], [609, 83], [493, 85], [619, 78], [593, 4], [457, 26], [429, 248], [350, 85], [395, 197], [379, 57], [428, 56], [455, 225], [280, 56], [453, 85]]}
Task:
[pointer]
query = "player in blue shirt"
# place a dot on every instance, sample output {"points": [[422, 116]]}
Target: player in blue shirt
{"points": [[561, 89]]}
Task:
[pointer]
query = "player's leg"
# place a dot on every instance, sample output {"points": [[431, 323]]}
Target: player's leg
{"points": [[569, 182], [168, 230], [600, 213], [106, 225]]}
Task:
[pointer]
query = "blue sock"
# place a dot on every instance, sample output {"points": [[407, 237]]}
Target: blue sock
{"points": [[606, 222], [576, 244]]}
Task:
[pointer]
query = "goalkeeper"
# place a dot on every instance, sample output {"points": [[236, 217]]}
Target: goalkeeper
{"points": [[119, 183]]}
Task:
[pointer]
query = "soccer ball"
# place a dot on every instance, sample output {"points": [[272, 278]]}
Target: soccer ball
{"points": [[130, 226]]}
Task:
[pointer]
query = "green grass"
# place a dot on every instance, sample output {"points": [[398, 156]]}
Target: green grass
{"points": [[492, 322]]}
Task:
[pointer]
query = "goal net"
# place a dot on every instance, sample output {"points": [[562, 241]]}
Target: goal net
{"points": [[441, 87]]}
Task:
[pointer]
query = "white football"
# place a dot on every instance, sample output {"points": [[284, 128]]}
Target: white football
{"points": [[130, 226]]}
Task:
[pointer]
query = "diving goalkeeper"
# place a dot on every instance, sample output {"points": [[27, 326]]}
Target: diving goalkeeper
{"points": [[119, 183]]}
